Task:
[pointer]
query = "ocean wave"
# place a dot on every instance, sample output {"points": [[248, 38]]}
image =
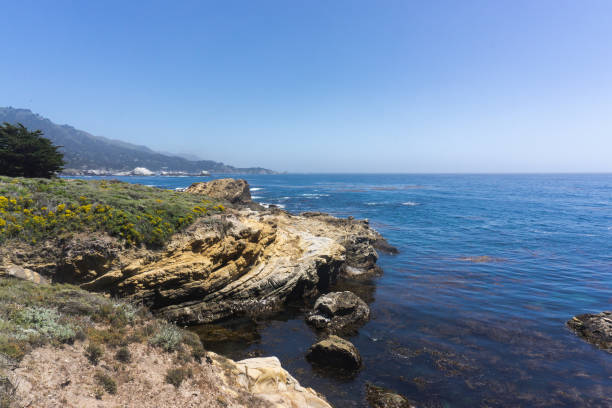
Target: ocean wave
{"points": [[256, 197], [256, 188], [267, 205], [410, 203]]}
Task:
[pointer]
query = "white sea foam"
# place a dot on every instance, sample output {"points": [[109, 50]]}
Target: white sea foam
{"points": [[267, 205], [256, 188], [256, 197], [410, 203]]}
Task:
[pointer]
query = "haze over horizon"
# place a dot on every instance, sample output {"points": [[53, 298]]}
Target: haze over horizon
{"points": [[345, 86]]}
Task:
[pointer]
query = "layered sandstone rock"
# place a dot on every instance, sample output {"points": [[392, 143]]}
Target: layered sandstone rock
{"points": [[231, 190], [242, 262]]}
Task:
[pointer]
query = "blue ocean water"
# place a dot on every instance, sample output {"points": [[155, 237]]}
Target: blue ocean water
{"points": [[472, 311]]}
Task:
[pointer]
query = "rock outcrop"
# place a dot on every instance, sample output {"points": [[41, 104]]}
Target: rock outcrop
{"points": [[230, 190], [594, 328], [22, 273], [360, 242], [335, 352], [265, 378], [379, 397], [241, 262], [338, 312]]}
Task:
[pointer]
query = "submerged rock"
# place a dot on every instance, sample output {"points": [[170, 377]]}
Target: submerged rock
{"points": [[335, 352], [338, 312], [231, 190], [379, 397], [594, 328]]}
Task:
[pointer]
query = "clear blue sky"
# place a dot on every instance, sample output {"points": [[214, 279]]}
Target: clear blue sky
{"points": [[314, 86]]}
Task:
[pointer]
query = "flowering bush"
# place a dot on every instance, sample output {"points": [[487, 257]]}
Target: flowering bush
{"points": [[35, 209]]}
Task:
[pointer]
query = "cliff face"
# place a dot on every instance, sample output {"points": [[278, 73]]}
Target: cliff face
{"points": [[243, 262], [246, 261]]}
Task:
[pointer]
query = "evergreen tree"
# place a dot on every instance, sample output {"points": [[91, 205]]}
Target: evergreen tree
{"points": [[27, 154]]}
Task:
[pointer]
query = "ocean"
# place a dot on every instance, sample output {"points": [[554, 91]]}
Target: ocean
{"points": [[472, 311]]}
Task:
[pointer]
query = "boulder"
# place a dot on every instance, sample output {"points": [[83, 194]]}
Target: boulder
{"points": [[338, 312], [231, 190], [265, 378], [335, 352], [379, 397], [243, 262], [594, 328], [23, 274]]}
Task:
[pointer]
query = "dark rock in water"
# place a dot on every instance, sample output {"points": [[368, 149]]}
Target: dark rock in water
{"points": [[379, 397], [383, 246], [338, 312], [335, 352], [594, 328]]}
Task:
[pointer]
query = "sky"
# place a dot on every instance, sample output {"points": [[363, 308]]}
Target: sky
{"points": [[325, 86]]}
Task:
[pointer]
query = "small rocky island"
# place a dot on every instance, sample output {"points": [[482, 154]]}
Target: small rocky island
{"points": [[226, 257], [594, 328]]}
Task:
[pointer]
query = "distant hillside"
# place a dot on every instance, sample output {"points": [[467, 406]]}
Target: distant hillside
{"points": [[83, 151]]}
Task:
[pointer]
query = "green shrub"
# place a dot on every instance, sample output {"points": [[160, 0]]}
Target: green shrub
{"points": [[94, 352], [106, 382], [124, 355], [46, 323], [198, 353], [36, 209], [176, 376], [191, 339], [167, 337]]}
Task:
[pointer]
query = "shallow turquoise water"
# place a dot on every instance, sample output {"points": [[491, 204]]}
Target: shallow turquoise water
{"points": [[448, 331]]}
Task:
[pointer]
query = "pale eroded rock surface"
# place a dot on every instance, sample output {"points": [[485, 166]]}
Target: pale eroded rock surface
{"points": [[265, 378]]}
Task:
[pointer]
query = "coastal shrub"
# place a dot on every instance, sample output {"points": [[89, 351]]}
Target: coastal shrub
{"points": [[45, 323], [94, 353], [167, 337], [191, 339], [198, 353], [111, 336], [176, 376], [106, 382], [123, 355], [32, 210]]}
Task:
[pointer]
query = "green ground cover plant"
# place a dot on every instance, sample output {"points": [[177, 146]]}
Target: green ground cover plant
{"points": [[32, 210]]}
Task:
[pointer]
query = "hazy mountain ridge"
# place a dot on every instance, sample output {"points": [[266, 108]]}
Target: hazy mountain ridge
{"points": [[84, 151]]}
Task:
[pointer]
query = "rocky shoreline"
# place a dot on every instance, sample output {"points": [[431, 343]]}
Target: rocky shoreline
{"points": [[247, 262]]}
